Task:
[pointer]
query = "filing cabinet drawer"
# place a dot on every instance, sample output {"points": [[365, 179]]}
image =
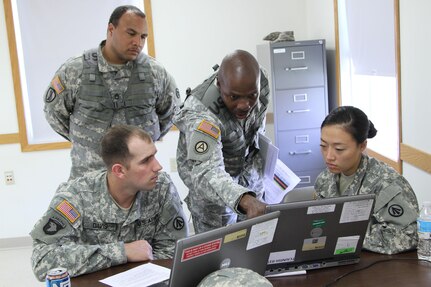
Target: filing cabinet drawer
{"points": [[297, 67], [308, 177], [300, 109], [300, 149]]}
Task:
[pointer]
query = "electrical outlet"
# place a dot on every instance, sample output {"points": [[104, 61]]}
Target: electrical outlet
{"points": [[9, 178]]}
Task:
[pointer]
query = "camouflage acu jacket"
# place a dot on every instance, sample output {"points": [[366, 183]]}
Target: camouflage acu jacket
{"points": [[392, 227], [84, 230]]}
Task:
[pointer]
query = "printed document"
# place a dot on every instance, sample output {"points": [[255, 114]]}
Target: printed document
{"points": [[278, 178]]}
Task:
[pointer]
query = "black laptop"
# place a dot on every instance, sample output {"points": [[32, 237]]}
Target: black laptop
{"points": [[319, 233], [244, 244]]}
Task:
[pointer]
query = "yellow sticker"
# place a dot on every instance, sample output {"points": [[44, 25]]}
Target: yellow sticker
{"points": [[314, 243], [235, 236], [57, 85]]}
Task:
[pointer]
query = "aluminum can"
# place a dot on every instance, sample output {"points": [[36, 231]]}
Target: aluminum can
{"points": [[58, 277]]}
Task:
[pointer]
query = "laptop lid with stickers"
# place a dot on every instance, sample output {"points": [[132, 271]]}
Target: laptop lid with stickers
{"points": [[244, 244], [319, 233]]}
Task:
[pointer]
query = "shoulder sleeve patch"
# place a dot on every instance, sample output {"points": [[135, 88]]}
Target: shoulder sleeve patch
{"points": [[57, 85], [209, 128], [200, 147], [68, 211]]}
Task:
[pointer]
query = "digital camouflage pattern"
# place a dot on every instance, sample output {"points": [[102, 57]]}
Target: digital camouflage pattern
{"points": [[88, 95], [84, 230], [217, 155], [392, 227], [235, 276]]}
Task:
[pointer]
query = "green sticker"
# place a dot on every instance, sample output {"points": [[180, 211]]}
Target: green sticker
{"points": [[318, 223], [345, 250]]}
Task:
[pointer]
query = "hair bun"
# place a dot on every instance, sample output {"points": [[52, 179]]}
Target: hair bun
{"points": [[371, 130]]}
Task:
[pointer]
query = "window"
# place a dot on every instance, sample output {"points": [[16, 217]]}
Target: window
{"points": [[367, 41]]}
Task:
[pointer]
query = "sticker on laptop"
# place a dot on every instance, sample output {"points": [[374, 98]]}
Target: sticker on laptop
{"points": [[314, 243], [321, 209], [356, 210], [262, 233], [235, 235], [346, 244], [201, 249], [281, 257]]}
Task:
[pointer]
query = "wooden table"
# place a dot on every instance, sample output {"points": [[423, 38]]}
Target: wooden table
{"points": [[388, 270]]}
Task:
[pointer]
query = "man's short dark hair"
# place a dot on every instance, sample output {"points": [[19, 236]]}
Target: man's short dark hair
{"points": [[120, 10], [114, 146]]}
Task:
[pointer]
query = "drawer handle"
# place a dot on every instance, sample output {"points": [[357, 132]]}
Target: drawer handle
{"points": [[299, 152], [298, 111], [296, 68]]}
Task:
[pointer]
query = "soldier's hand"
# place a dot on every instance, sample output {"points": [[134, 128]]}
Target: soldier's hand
{"points": [[139, 250], [251, 206]]}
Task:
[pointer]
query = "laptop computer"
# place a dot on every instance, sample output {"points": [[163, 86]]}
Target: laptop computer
{"points": [[322, 233], [244, 244]]}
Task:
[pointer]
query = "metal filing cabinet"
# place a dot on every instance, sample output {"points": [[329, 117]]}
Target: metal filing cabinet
{"points": [[300, 102]]}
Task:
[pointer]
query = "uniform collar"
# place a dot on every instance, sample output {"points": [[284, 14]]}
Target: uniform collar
{"points": [[104, 66]]}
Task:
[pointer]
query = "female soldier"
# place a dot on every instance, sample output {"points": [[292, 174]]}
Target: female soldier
{"points": [[349, 171]]}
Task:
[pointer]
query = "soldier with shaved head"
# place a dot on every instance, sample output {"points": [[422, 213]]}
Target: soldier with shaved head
{"points": [[217, 152]]}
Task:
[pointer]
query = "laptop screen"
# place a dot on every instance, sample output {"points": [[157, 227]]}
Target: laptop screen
{"points": [[319, 233], [244, 244]]}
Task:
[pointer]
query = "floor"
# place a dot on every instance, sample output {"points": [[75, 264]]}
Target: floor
{"points": [[15, 268]]}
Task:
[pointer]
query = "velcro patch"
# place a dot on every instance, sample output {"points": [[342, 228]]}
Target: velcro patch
{"points": [[57, 85], [68, 211], [53, 226], [178, 223], [210, 129]]}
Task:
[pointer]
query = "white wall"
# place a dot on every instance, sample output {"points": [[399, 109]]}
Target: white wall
{"points": [[189, 41], [190, 37]]}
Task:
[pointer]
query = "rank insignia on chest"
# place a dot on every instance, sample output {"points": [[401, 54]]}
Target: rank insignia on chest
{"points": [[210, 129]]}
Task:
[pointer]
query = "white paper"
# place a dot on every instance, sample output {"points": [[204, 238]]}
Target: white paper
{"points": [[269, 153], [143, 275], [282, 181]]}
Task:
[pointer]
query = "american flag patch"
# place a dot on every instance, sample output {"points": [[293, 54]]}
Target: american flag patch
{"points": [[57, 85], [68, 211], [210, 129]]}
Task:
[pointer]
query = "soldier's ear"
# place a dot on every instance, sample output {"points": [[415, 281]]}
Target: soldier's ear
{"points": [[118, 170]]}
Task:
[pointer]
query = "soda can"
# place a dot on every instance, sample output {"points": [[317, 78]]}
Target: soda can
{"points": [[58, 277]]}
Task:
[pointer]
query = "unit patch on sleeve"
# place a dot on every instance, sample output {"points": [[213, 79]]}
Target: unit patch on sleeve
{"points": [[178, 223], [57, 85], [209, 128], [68, 211], [201, 147], [50, 95], [53, 226]]}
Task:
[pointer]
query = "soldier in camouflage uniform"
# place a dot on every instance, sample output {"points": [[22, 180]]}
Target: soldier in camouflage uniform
{"points": [[130, 213], [217, 154], [344, 134], [235, 276], [114, 84]]}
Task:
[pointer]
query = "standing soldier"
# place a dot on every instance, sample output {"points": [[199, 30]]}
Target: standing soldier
{"points": [[217, 153], [113, 84]]}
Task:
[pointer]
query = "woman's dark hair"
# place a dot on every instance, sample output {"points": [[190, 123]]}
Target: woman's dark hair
{"points": [[353, 120], [120, 10]]}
